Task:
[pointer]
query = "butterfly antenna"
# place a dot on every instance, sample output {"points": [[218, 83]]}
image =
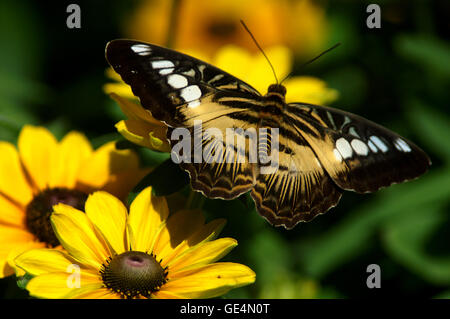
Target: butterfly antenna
{"points": [[260, 49], [313, 59]]}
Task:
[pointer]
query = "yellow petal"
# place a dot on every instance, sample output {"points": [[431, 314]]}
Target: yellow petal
{"points": [[74, 149], [119, 88], [207, 232], [309, 89], [79, 237], [144, 134], [210, 281], [203, 233], [41, 261], [147, 213], [202, 254], [12, 239], [254, 69], [13, 182], [109, 215], [93, 292], [162, 294], [59, 284], [261, 76], [38, 150], [11, 213], [121, 184], [18, 249], [104, 162], [113, 75], [134, 111], [178, 228], [234, 60]]}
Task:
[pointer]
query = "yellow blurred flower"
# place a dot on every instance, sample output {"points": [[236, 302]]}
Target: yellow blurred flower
{"points": [[254, 69], [209, 25], [143, 254], [43, 172]]}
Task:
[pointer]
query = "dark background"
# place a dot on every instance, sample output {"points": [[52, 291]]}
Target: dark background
{"points": [[397, 76]]}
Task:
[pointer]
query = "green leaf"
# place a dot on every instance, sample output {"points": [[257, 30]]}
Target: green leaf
{"points": [[432, 53], [433, 127], [321, 255], [443, 295], [406, 241], [22, 281], [269, 253], [166, 179], [152, 158]]}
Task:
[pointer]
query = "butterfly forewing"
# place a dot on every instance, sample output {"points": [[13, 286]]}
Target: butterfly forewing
{"points": [[182, 91], [359, 155], [172, 85]]}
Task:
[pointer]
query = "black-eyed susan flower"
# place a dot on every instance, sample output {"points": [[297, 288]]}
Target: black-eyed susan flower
{"points": [[142, 129], [43, 172], [143, 254], [299, 24]]}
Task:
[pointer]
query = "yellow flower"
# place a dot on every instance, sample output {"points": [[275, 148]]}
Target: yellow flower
{"points": [[143, 254], [142, 129], [208, 25], [255, 70], [43, 172]]}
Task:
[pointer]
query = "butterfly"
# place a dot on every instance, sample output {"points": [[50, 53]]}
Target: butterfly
{"points": [[322, 151]]}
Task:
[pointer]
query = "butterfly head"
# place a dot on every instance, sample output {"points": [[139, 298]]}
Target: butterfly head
{"points": [[276, 92]]}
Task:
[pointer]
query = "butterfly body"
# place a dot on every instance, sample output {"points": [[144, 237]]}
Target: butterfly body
{"points": [[321, 151]]}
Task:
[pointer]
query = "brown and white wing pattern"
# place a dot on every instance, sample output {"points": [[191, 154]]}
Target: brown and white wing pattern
{"points": [[182, 92], [175, 87], [357, 154], [300, 189]]}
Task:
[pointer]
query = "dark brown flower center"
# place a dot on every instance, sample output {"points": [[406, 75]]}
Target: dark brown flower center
{"points": [[222, 28], [133, 273], [39, 210]]}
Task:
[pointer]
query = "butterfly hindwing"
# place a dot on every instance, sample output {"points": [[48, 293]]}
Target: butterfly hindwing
{"points": [[359, 155], [299, 189], [219, 169]]}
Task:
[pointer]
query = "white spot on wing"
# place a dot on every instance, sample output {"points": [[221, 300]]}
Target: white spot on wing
{"points": [[216, 78], [372, 147], [337, 155], [161, 64], [379, 144], [190, 73], [402, 146], [166, 71], [177, 81], [352, 131], [359, 147], [141, 49], [330, 118], [201, 68], [344, 148], [346, 121], [191, 93], [194, 104]]}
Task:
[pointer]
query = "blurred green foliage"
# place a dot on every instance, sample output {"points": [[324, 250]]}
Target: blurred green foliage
{"points": [[397, 76]]}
